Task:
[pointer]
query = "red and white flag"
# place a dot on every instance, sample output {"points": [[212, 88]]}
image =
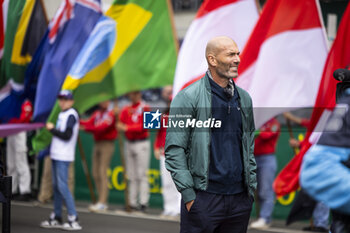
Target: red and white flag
{"points": [[281, 65], [232, 18], [3, 20], [338, 57]]}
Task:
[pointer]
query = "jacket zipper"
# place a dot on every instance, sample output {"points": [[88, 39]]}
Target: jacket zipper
{"points": [[246, 158], [207, 180]]}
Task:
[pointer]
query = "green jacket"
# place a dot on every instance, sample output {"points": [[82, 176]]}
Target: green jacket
{"points": [[187, 149]]}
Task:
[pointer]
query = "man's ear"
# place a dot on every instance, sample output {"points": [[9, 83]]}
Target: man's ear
{"points": [[212, 60]]}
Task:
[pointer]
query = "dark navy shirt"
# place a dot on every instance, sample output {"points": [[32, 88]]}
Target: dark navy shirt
{"points": [[225, 168]]}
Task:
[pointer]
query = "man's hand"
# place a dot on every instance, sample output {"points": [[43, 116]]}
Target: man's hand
{"points": [[121, 127], [189, 205], [157, 153], [294, 143], [49, 126]]}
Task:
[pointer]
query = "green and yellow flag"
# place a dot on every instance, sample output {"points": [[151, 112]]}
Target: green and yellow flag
{"points": [[134, 48], [142, 56], [148, 44]]}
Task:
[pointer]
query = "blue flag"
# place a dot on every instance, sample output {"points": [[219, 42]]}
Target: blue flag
{"points": [[34, 67], [69, 31]]}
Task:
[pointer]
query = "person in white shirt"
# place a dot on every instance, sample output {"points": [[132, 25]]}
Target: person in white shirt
{"points": [[62, 152]]}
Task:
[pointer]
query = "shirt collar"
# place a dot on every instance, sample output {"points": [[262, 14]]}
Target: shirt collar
{"points": [[229, 89]]}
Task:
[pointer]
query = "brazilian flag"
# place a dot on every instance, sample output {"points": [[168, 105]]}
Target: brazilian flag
{"points": [[147, 42]]}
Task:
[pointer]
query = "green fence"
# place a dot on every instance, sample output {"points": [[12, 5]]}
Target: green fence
{"points": [[116, 184]]}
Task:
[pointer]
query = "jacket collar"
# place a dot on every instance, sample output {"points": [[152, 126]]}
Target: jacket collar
{"points": [[208, 87]]}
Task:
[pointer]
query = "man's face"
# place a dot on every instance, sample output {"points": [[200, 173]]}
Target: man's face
{"points": [[167, 92], [65, 103], [104, 105], [135, 96], [227, 61]]}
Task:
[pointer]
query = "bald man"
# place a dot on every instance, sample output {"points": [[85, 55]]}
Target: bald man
{"points": [[211, 157]]}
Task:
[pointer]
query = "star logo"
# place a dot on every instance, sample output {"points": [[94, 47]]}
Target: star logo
{"points": [[155, 115], [151, 120]]}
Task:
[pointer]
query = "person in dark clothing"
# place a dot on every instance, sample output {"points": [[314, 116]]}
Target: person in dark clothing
{"points": [[325, 171], [320, 213], [211, 160]]}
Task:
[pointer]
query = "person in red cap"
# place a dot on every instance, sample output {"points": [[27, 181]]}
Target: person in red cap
{"points": [[102, 124], [17, 161]]}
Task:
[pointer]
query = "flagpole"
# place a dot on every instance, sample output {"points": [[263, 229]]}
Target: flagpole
{"points": [[44, 11], [171, 15], [258, 6], [291, 136], [86, 170]]}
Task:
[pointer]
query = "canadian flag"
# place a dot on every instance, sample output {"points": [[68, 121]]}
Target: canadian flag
{"points": [[339, 57], [281, 65], [232, 18]]}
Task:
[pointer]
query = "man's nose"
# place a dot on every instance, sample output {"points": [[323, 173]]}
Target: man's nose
{"points": [[237, 59]]}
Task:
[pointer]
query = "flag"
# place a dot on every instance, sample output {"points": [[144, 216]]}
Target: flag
{"points": [[97, 48], [4, 9], [338, 57], [144, 55], [26, 24], [134, 50], [137, 51], [10, 129], [281, 65], [69, 30], [232, 18], [2, 29], [34, 68]]}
